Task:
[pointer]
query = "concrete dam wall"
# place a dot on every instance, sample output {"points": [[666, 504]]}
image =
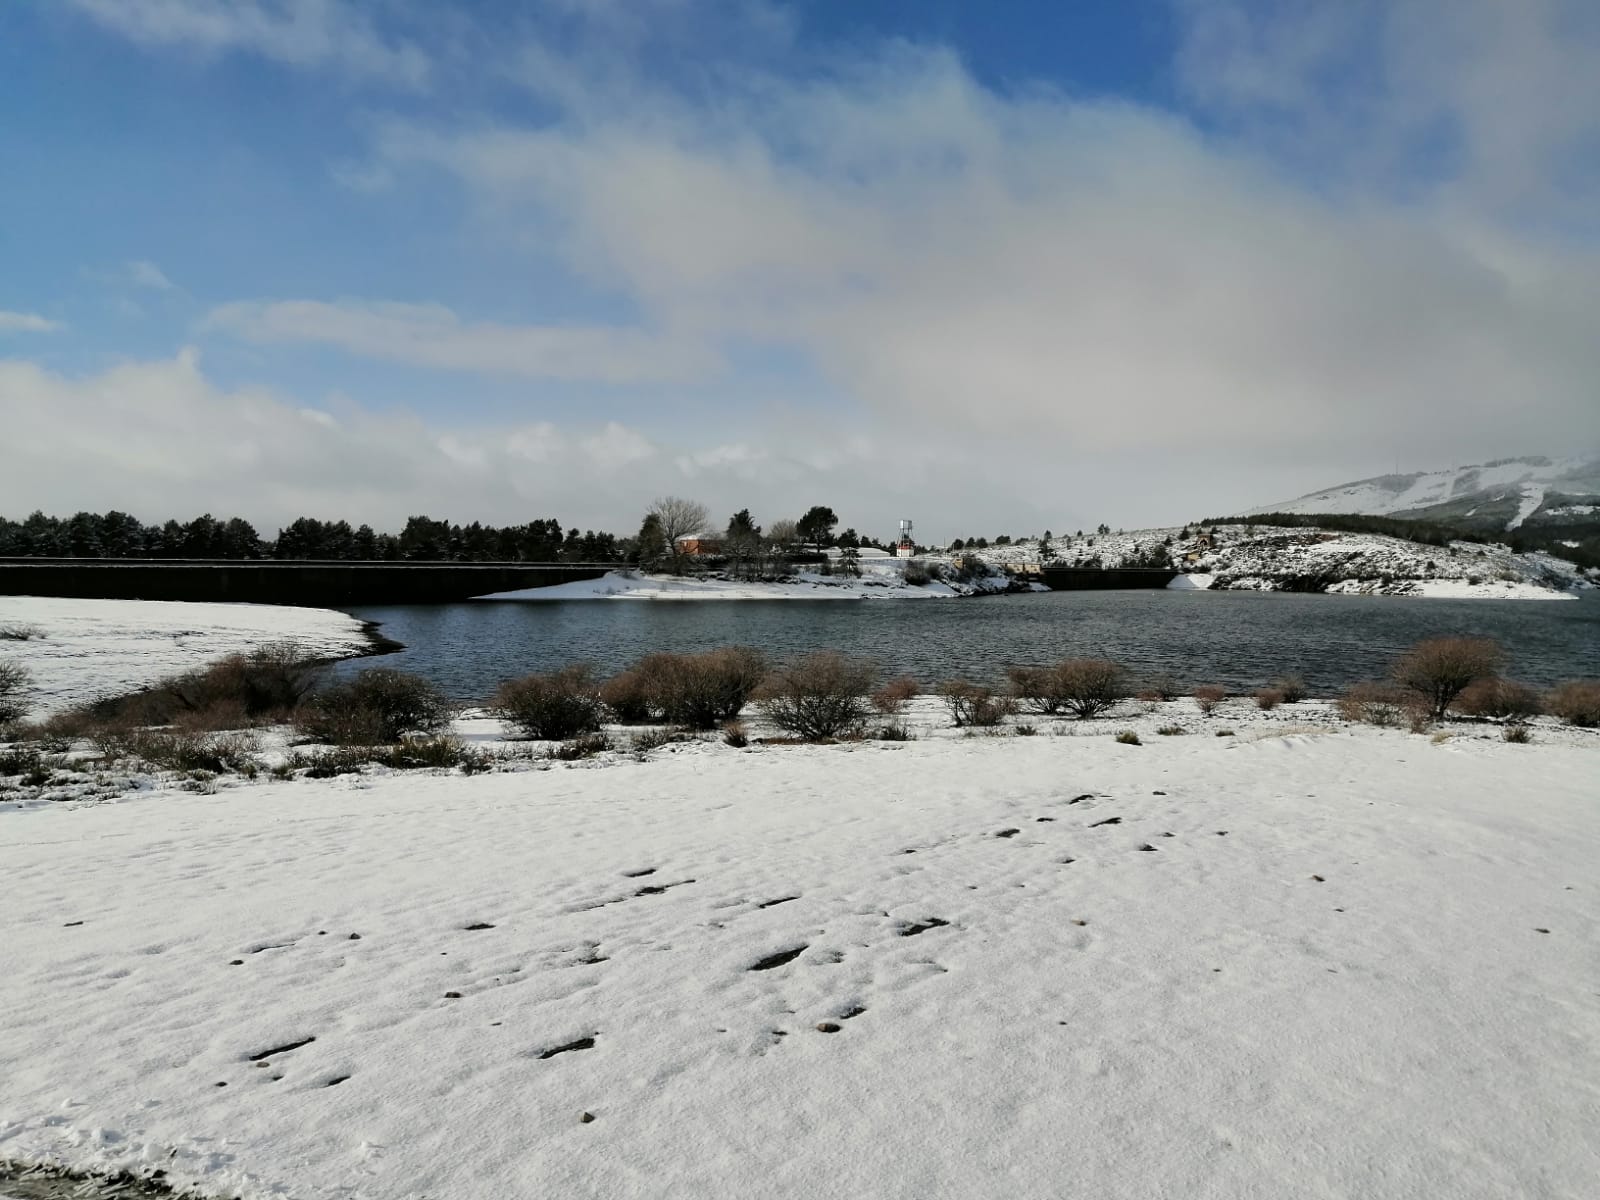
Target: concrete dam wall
{"points": [[312, 584]]}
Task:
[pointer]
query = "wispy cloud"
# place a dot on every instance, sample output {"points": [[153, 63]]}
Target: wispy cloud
{"points": [[301, 33], [145, 274], [431, 335], [21, 322]]}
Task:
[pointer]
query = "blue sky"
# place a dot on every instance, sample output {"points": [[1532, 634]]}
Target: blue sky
{"points": [[981, 265]]}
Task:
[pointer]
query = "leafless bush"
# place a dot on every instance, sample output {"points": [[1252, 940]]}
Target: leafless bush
{"points": [[1160, 687], [972, 704], [892, 698], [1292, 687], [735, 735], [823, 695], [1516, 733], [1577, 702], [1374, 703], [584, 746], [234, 692], [918, 572], [413, 754], [562, 704], [1129, 738], [376, 707], [702, 691], [1082, 686], [1268, 699], [179, 750], [1208, 697], [15, 681], [1439, 669], [18, 632], [1172, 731], [628, 697], [1501, 699]]}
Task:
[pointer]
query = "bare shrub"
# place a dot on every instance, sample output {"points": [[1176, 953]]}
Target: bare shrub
{"points": [[18, 632], [702, 691], [1374, 703], [180, 750], [918, 572], [15, 680], [231, 693], [585, 746], [1129, 738], [1208, 697], [1083, 686], [1439, 669], [1577, 702], [735, 735], [974, 705], [429, 753], [628, 697], [1172, 731], [562, 704], [1500, 699], [892, 698], [1292, 687], [823, 695], [1268, 699], [1516, 733], [647, 740], [892, 731], [1160, 687], [377, 706]]}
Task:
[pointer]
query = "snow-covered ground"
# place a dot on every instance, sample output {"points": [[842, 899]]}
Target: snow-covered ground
{"points": [[1308, 959], [90, 648], [881, 578]]}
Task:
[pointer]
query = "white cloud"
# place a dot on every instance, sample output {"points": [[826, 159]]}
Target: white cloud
{"points": [[1098, 277], [21, 322], [145, 274], [300, 33], [161, 439], [430, 335]]}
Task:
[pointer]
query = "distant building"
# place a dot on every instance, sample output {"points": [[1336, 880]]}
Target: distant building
{"points": [[699, 546], [905, 547]]}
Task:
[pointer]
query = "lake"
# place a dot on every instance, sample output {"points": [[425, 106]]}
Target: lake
{"points": [[1237, 639]]}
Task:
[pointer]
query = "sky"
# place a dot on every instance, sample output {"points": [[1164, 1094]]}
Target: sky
{"points": [[995, 267]]}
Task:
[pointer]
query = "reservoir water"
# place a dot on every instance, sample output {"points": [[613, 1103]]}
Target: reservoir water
{"points": [[1237, 639]]}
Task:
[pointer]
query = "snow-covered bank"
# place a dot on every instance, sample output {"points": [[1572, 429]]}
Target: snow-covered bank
{"points": [[1352, 962], [91, 648], [880, 579]]}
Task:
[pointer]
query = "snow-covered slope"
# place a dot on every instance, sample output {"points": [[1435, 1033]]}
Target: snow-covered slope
{"points": [[83, 649], [1505, 493]]}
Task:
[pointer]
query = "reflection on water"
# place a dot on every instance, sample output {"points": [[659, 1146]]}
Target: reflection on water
{"points": [[1238, 639]]}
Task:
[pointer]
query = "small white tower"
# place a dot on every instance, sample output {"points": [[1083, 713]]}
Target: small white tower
{"points": [[906, 547]]}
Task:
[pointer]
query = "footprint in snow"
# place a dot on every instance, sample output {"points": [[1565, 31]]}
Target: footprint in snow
{"points": [[1107, 821]]}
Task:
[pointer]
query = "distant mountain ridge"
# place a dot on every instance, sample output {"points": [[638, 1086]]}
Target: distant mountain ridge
{"points": [[1501, 495]]}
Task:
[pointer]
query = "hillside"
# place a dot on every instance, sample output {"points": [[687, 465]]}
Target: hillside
{"points": [[1244, 557], [1506, 494]]}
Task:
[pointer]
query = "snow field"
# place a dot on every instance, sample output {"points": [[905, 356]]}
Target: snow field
{"points": [[93, 648], [1350, 963]]}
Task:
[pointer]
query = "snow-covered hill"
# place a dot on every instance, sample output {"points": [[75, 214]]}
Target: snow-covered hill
{"points": [[1502, 494], [1248, 557]]}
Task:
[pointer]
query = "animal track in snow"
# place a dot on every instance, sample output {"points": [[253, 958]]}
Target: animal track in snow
{"points": [[586, 1043], [911, 930], [1107, 821], [778, 959], [283, 1049]]}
